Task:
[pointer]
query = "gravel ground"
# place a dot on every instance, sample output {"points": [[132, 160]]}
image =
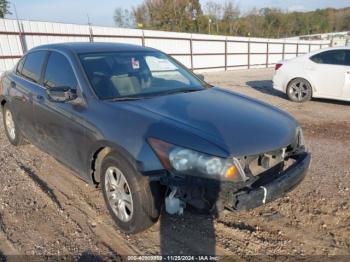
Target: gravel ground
{"points": [[45, 210]]}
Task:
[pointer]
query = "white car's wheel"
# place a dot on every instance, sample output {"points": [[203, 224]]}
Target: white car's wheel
{"points": [[299, 90]]}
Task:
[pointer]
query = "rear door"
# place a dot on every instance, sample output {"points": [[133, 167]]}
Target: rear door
{"points": [[328, 70], [24, 86], [60, 125]]}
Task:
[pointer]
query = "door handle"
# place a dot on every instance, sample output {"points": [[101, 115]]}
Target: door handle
{"points": [[40, 97]]}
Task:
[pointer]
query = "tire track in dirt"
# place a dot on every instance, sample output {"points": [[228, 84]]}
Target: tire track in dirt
{"points": [[41, 184], [82, 214]]}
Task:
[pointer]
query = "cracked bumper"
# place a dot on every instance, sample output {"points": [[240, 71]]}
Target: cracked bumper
{"points": [[264, 193]]}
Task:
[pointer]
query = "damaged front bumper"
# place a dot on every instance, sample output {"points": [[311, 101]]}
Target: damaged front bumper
{"points": [[207, 194], [263, 191]]}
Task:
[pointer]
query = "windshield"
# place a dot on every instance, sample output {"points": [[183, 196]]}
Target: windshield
{"points": [[119, 75]]}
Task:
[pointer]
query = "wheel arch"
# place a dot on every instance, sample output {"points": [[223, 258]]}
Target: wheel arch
{"points": [[302, 77], [3, 101], [102, 149]]}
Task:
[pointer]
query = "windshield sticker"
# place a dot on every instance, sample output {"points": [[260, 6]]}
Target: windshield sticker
{"points": [[158, 64], [165, 65], [135, 63]]}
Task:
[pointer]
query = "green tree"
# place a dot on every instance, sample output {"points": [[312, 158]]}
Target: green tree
{"points": [[226, 19], [169, 15], [214, 13], [4, 8], [230, 16]]}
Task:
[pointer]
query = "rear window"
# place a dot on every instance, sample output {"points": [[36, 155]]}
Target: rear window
{"points": [[33, 65]]}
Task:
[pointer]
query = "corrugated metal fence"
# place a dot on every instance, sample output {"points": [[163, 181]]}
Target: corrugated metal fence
{"points": [[196, 51]]}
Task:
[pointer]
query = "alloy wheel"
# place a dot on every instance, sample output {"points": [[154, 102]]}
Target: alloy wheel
{"points": [[119, 194], [10, 125], [299, 90]]}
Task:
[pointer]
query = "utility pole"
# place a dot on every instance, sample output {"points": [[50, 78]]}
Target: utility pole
{"points": [[20, 33], [91, 37]]}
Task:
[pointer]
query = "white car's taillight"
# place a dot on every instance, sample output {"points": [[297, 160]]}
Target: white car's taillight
{"points": [[277, 66]]}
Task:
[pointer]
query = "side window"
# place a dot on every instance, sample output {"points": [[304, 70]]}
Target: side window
{"points": [[33, 65], [347, 61], [59, 72], [20, 65], [332, 57]]}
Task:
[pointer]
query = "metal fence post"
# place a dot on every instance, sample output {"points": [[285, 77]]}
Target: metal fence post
{"points": [[20, 32], [267, 54], [283, 50], [191, 53], [22, 38], [226, 53], [143, 38], [297, 49], [249, 54], [91, 34]]}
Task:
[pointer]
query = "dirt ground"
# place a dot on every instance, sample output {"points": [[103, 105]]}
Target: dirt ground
{"points": [[45, 210]]}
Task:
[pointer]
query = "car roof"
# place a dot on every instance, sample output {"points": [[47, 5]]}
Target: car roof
{"points": [[87, 47]]}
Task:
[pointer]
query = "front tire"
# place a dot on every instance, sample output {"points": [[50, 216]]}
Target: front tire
{"points": [[132, 200], [11, 128], [299, 90]]}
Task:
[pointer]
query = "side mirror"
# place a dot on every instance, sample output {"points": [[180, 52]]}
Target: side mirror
{"points": [[200, 76], [61, 94]]}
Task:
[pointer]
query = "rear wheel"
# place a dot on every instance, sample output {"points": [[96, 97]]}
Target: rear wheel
{"points": [[132, 200], [11, 129], [299, 90]]}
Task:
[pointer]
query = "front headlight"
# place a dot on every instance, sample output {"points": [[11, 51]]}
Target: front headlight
{"points": [[186, 161]]}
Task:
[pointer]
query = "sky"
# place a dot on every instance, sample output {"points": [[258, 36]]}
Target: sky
{"points": [[101, 12]]}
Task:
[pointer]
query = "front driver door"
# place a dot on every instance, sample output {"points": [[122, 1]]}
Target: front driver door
{"points": [[59, 125], [328, 70]]}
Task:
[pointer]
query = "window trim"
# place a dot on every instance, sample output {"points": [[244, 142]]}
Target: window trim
{"points": [[17, 72], [42, 67], [45, 68]]}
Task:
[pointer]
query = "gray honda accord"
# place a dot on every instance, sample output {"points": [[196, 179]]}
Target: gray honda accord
{"points": [[149, 132]]}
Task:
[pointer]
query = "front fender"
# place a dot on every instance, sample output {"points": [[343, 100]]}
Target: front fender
{"points": [[144, 162]]}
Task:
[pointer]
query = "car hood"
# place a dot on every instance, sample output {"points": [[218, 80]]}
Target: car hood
{"points": [[238, 124]]}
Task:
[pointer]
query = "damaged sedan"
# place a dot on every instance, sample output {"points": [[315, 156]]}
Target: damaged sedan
{"points": [[150, 133]]}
